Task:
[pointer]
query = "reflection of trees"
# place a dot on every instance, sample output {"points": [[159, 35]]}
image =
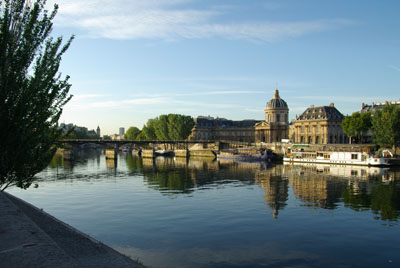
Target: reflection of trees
{"points": [[275, 186], [134, 164], [382, 199], [180, 176]]}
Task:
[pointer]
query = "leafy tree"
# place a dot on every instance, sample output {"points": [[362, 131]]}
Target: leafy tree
{"points": [[179, 126], [32, 93], [148, 131], [167, 127], [161, 127], [386, 126], [132, 133], [356, 125]]}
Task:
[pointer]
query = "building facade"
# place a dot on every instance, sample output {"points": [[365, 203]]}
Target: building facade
{"points": [[210, 128], [276, 124], [377, 106], [318, 125]]}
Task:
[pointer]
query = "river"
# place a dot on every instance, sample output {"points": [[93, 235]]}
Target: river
{"points": [[205, 213]]}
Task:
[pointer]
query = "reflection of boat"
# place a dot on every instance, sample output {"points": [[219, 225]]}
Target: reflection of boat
{"points": [[126, 149], [337, 158], [347, 171], [246, 154], [164, 153]]}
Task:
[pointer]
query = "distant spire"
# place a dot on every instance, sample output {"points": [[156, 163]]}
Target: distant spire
{"points": [[276, 95]]}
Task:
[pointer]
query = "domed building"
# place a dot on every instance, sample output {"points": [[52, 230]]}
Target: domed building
{"points": [[276, 124]]}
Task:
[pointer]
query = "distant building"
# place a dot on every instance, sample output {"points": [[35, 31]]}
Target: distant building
{"points": [[98, 131], [121, 131], [210, 128], [117, 137], [276, 124], [377, 106], [318, 125]]}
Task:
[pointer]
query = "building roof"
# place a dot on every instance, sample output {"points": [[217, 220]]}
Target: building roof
{"points": [[321, 113], [377, 106], [202, 121], [276, 102]]}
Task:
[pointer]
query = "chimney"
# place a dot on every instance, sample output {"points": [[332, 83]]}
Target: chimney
{"points": [[331, 104], [312, 106]]}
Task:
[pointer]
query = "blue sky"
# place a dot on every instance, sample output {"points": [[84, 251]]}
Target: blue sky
{"points": [[136, 59]]}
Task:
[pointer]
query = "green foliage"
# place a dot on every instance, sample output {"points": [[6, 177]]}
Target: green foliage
{"points": [[148, 131], [357, 124], [383, 200], [132, 133], [32, 93], [161, 127], [386, 126], [167, 127]]}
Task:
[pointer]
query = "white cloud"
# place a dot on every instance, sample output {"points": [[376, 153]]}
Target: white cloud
{"points": [[171, 20]]}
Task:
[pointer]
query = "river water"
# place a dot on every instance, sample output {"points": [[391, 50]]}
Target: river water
{"points": [[204, 213]]}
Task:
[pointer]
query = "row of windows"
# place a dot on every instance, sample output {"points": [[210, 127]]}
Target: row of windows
{"points": [[320, 140]]}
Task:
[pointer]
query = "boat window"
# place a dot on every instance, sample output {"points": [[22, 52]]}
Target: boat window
{"points": [[354, 156]]}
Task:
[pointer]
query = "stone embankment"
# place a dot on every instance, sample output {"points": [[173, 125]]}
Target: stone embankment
{"points": [[30, 237]]}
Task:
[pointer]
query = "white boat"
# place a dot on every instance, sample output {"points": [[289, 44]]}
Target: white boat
{"points": [[164, 153], [337, 158]]}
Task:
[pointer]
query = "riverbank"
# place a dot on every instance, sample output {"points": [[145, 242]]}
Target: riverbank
{"points": [[30, 237]]}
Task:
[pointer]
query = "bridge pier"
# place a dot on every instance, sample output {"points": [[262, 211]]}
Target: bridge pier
{"points": [[67, 154], [112, 153]]}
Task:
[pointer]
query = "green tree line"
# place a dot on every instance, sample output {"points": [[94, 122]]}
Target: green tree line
{"points": [[163, 127], [383, 125]]}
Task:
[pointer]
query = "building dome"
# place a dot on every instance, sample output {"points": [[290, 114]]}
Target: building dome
{"points": [[276, 102]]}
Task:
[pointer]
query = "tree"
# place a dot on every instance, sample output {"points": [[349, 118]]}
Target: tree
{"points": [[32, 93], [161, 127], [386, 126], [356, 125], [179, 126], [132, 133], [148, 132]]}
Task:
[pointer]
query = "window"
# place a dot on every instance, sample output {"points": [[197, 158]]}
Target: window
{"points": [[278, 118], [302, 129], [269, 118], [317, 140], [354, 156]]}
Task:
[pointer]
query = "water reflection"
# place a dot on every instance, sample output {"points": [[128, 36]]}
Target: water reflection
{"points": [[203, 213], [315, 186], [382, 198], [276, 187]]}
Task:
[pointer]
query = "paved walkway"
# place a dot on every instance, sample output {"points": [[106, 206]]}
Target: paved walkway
{"points": [[30, 237]]}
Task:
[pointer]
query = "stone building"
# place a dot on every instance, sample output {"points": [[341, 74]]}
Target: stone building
{"points": [[276, 124], [210, 128], [377, 106], [318, 125]]}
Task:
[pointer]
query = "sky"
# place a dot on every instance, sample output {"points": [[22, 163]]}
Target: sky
{"points": [[133, 60]]}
